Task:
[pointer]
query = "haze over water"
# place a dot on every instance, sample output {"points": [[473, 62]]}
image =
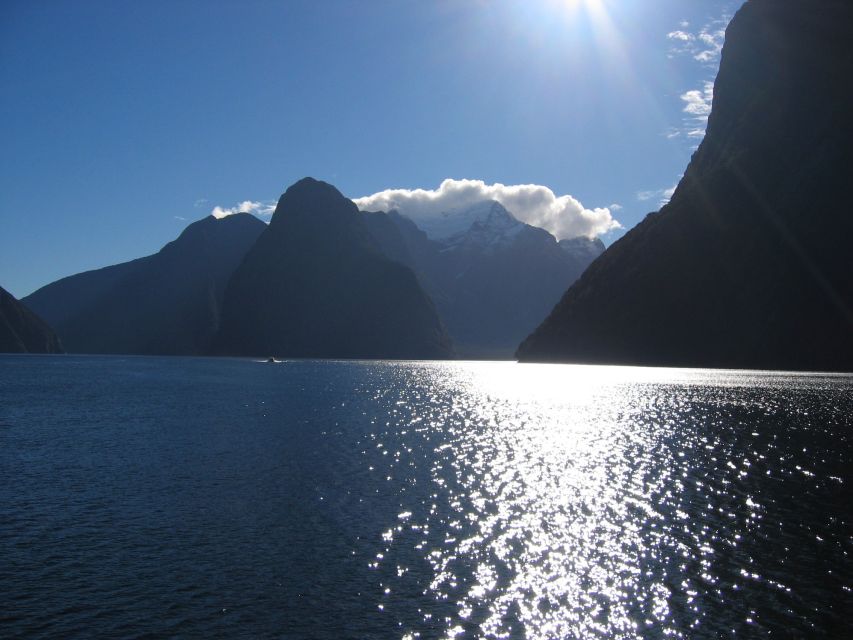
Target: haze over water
{"points": [[152, 497]]}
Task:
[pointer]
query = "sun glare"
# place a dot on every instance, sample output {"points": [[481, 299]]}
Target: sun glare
{"points": [[590, 15], [592, 7]]}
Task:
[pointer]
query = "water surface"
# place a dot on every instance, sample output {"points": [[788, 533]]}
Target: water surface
{"points": [[157, 497]]}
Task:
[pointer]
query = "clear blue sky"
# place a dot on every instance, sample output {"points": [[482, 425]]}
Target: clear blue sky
{"points": [[123, 121]]}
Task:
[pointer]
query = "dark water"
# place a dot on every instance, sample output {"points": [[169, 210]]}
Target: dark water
{"points": [[145, 497]]}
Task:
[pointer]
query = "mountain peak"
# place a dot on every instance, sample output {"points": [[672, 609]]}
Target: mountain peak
{"points": [[312, 186], [164, 303], [492, 226], [499, 216], [312, 199], [583, 246], [311, 190], [217, 229], [452, 223], [315, 284]]}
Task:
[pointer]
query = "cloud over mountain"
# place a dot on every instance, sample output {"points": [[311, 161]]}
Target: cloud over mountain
{"points": [[563, 216], [247, 206]]}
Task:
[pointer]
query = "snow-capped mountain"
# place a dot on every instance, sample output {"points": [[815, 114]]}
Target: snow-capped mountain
{"points": [[491, 277], [452, 223], [583, 249], [492, 226]]}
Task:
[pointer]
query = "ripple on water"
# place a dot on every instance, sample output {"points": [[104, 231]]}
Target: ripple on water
{"points": [[622, 503], [186, 497]]}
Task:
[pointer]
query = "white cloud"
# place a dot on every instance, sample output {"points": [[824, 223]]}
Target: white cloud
{"points": [[697, 107], [661, 195], [563, 216], [247, 206], [710, 44], [704, 46], [615, 207], [682, 36], [697, 102]]}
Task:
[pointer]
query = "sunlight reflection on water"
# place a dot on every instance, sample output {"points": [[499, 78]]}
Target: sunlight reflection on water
{"points": [[195, 497], [580, 502]]}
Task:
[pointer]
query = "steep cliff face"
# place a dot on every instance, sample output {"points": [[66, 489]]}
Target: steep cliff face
{"points": [[750, 263], [167, 303], [316, 285], [22, 331]]}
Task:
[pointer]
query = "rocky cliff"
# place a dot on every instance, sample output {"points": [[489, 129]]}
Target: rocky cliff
{"points": [[750, 264]]}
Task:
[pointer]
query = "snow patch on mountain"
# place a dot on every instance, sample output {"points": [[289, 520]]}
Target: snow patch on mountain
{"points": [[492, 226]]}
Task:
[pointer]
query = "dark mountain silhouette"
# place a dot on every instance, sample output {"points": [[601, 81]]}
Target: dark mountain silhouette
{"points": [[493, 283], [166, 303], [750, 264], [316, 285], [22, 331]]}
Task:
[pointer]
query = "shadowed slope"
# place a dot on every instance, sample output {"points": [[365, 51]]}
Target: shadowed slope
{"points": [[750, 264], [22, 331], [166, 303], [316, 285]]}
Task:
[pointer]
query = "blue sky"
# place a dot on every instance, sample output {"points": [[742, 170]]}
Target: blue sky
{"points": [[121, 122]]}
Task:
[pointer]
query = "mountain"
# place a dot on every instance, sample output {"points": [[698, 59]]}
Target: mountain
{"points": [[750, 263], [22, 331], [316, 285], [492, 277], [166, 303], [457, 221]]}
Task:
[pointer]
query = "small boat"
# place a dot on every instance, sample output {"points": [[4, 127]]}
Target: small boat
{"points": [[271, 359]]}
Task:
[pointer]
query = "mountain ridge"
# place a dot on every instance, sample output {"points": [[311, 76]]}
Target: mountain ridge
{"points": [[166, 303]]}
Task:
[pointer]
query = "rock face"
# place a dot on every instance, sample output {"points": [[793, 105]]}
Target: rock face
{"points": [[493, 278], [316, 285], [22, 331], [750, 264], [167, 303]]}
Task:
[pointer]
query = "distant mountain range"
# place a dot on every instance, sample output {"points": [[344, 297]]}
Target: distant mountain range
{"points": [[324, 280], [166, 303], [22, 331], [750, 265], [492, 277]]}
